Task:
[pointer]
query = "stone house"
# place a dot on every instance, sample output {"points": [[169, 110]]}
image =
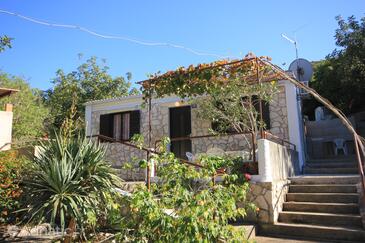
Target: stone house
{"points": [[294, 198], [122, 117]]}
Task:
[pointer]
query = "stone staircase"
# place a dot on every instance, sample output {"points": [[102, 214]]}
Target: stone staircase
{"points": [[331, 166], [321, 207]]}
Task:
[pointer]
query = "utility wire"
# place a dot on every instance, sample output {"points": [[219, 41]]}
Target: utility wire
{"points": [[133, 40]]}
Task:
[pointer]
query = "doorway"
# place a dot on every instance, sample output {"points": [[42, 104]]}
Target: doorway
{"points": [[180, 126]]}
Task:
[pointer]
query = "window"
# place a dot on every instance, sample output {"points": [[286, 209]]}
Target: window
{"points": [[120, 126], [265, 111], [218, 125]]}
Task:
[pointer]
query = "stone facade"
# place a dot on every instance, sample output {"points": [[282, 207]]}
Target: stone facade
{"points": [[118, 154], [279, 115], [269, 198]]}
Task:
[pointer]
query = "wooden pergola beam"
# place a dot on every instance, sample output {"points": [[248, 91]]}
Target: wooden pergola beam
{"points": [[6, 92]]}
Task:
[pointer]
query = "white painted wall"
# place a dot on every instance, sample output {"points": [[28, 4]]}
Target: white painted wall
{"points": [[88, 120], [276, 162], [6, 120], [294, 120]]}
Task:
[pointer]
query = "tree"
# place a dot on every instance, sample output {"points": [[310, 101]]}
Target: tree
{"points": [[340, 77], [90, 81], [5, 42], [29, 111], [236, 107], [185, 206]]}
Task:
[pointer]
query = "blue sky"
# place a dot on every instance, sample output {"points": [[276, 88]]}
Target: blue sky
{"points": [[221, 27]]}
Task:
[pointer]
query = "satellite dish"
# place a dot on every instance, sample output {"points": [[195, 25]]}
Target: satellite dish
{"points": [[302, 69]]}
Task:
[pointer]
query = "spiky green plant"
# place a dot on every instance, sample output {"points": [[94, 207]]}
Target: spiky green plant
{"points": [[70, 179]]}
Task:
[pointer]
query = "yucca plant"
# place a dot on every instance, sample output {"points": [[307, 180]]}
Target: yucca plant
{"points": [[69, 181]]}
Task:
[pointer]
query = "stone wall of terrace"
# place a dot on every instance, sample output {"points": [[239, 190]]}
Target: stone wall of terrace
{"points": [[269, 198]]}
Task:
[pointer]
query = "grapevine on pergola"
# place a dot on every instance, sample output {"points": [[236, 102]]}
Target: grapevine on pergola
{"points": [[201, 79]]}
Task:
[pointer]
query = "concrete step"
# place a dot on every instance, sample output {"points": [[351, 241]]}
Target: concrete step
{"points": [[324, 188], [325, 179], [341, 208], [352, 171], [325, 219], [332, 165], [333, 233], [334, 159], [323, 197]]}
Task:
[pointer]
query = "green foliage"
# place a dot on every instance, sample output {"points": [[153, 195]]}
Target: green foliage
{"points": [[71, 126], [91, 81], [184, 206], [69, 180], [233, 105], [29, 113], [340, 77], [243, 169], [5, 42], [227, 92], [11, 168], [202, 78], [138, 140], [213, 163]]}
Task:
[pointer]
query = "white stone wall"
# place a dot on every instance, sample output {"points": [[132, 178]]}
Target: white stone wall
{"points": [[118, 154], [6, 123], [276, 162]]}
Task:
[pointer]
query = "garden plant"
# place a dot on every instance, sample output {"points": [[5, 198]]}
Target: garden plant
{"points": [[184, 205]]}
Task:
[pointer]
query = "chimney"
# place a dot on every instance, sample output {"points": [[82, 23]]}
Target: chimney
{"points": [[9, 107]]}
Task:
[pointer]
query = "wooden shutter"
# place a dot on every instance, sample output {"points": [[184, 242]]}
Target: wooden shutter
{"points": [[106, 125], [180, 126], [180, 122], [134, 123]]}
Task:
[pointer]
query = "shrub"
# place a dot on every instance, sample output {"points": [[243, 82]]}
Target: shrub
{"points": [[184, 205], [11, 167], [70, 180]]}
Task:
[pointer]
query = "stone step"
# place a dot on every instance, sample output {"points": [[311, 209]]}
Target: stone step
{"points": [[325, 179], [313, 232], [323, 197], [334, 160], [341, 208], [324, 188], [325, 219], [321, 171], [332, 165]]}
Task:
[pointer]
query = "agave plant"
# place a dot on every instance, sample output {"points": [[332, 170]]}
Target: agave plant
{"points": [[70, 179]]}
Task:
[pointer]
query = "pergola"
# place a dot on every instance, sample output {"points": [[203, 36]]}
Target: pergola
{"points": [[196, 80]]}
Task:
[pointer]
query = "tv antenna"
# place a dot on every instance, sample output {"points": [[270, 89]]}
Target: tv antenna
{"points": [[294, 42]]}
